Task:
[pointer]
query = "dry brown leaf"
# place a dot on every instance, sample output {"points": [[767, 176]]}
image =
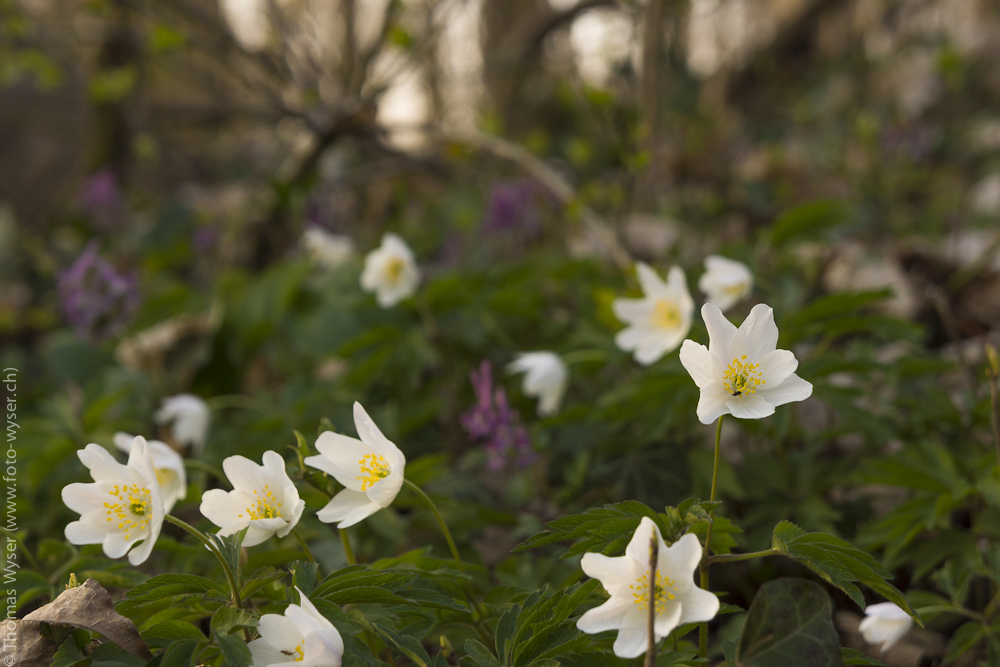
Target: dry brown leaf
{"points": [[89, 607]]}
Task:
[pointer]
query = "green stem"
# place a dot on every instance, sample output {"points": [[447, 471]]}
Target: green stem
{"points": [[24, 550], [348, 551], [982, 618], [195, 464], [444, 527], [302, 543], [703, 566], [995, 412], [215, 552], [735, 558]]}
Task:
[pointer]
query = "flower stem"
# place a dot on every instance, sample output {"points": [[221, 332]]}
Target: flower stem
{"points": [[348, 551], [302, 543], [703, 566], [992, 371], [734, 558], [444, 527], [215, 552]]}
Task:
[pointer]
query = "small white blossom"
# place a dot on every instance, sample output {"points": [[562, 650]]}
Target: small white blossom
{"points": [[545, 377], [371, 470], [188, 416], [740, 372], [167, 464], [658, 322], [390, 272], [885, 623], [725, 281], [300, 635], [328, 249], [121, 507], [263, 498], [673, 593]]}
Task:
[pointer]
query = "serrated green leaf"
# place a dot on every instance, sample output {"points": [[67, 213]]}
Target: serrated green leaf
{"points": [[478, 652], [234, 649]]}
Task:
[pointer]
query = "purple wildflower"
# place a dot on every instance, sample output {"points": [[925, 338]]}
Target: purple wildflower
{"points": [[492, 421], [102, 199], [513, 207], [94, 298]]}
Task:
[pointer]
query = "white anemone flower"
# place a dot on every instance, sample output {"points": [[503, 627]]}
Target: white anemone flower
{"points": [[300, 635], [545, 377], [658, 322], [263, 498], [740, 372], [121, 507], [167, 464], [390, 272], [371, 470], [627, 579], [330, 250], [885, 623], [187, 415], [725, 281]]}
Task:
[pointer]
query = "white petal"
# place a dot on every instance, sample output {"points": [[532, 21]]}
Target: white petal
{"points": [[760, 331], [102, 466], [720, 331], [697, 361], [291, 514], [629, 339], [265, 655], [226, 509], [340, 456], [792, 389], [632, 638], [372, 436], [681, 558], [698, 605], [775, 366], [348, 507], [384, 491], [612, 572], [243, 474], [139, 555], [666, 620], [608, 616], [80, 532], [712, 404], [279, 631], [115, 544], [649, 352], [638, 546], [649, 280], [83, 498], [632, 310], [754, 406]]}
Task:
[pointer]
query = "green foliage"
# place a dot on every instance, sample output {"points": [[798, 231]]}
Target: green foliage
{"points": [[789, 622]]}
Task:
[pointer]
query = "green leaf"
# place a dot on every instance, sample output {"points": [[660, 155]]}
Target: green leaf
{"points": [[598, 528], [852, 656], [789, 623], [235, 650], [304, 576], [68, 654], [167, 632], [839, 563], [170, 585], [260, 579], [505, 631], [478, 652], [405, 644], [226, 619], [808, 220], [427, 597]]}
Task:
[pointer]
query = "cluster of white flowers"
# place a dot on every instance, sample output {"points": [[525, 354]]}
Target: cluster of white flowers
{"points": [[658, 322]]}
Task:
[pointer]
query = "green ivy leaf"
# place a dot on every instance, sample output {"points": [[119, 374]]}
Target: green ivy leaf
{"points": [[789, 623]]}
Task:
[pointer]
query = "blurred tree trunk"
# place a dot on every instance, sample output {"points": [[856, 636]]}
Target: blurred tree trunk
{"points": [[503, 61], [652, 91], [118, 61]]}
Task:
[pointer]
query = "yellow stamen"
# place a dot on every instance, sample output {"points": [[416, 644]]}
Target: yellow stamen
{"points": [[265, 506], [394, 269], [373, 468], [742, 377], [130, 505], [662, 592], [666, 315]]}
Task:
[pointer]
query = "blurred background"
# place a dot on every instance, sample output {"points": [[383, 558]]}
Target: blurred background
{"points": [[161, 161]]}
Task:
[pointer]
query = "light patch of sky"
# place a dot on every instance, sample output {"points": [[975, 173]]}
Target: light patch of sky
{"points": [[248, 20], [600, 38]]}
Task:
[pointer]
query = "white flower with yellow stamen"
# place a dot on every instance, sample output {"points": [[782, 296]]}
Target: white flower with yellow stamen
{"points": [[371, 470], [673, 593], [121, 507], [725, 281], [390, 272], [301, 635], [741, 372], [167, 464], [658, 322], [263, 498]]}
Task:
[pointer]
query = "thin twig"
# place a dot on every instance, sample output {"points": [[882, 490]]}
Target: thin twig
{"points": [[654, 556]]}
